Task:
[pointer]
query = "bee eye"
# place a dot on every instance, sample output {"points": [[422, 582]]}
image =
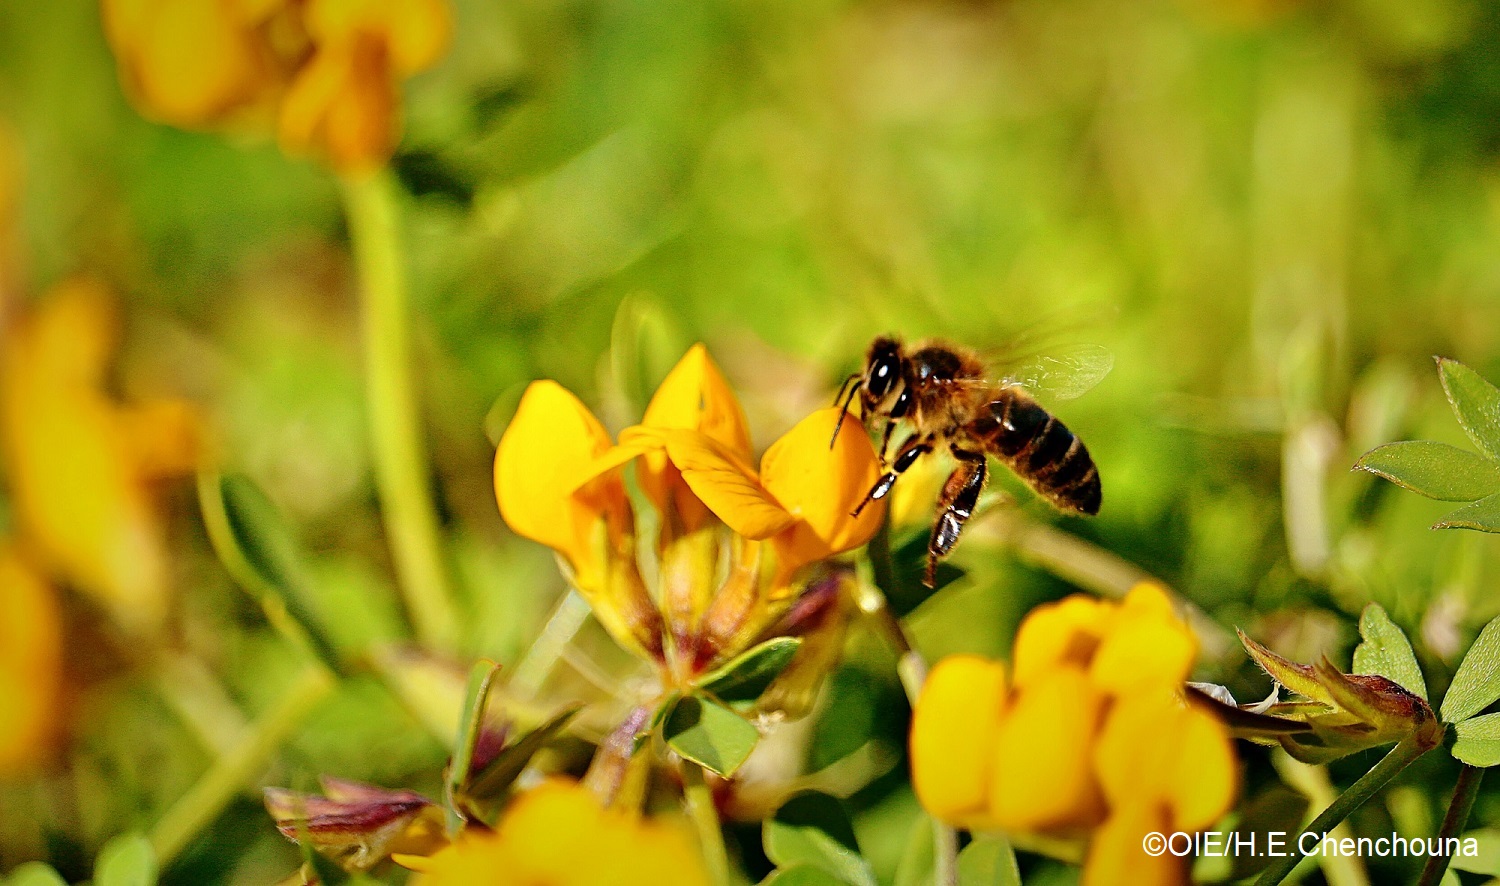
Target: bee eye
{"points": [[883, 372]]}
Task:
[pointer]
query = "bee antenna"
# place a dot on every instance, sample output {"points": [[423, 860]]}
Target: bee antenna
{"points": [[844, 409], [844, 387]]}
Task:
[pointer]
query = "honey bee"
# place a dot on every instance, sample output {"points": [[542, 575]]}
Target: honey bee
{"points": [[941, 391]]}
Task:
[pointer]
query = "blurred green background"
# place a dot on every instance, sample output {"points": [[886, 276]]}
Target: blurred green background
{"points": [[1272, 213]]}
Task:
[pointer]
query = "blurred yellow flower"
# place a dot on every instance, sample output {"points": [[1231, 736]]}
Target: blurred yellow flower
{"points": [[559, 481], [79, 465], [204, 63], [558, 834], [30, 663], [326, 74], [1092, 736]]}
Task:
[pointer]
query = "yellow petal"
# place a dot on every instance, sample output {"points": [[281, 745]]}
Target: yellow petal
{"points": [[693, 397], [419, 32], [195, 62], [1043, 777], [953, 732], [822, 487], [696, 397], [30, 663], [1064, 633], [1158, 749], [79, 490], [550, 442], [1116, 855], [1143, 648], [1207, 777], [723, 482]]}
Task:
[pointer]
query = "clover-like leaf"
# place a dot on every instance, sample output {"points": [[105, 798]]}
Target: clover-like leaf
{"points": [[1475, 402], [1483, 515], [1477, 740], [1433, 469], [988, 861], [1384, 650], [709, 734], [746, 676], [127, 860], [1476, 685], [813, 829]]}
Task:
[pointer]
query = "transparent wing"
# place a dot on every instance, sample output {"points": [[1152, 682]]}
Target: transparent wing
{"points": [[1063, 374]]}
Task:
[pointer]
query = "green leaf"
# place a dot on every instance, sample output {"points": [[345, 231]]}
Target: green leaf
{"points": [[1433, 469], [813, 829], [1483, 515], [1477, 683], [915, 867], [1476, 404], [497, 777], [1487, 860], [1477, 740], [257, 547], [988, 861], [469, 725], [746, 676], [126, 860], [1385, 651], [34, 873], [801, 875], [709, 734]]}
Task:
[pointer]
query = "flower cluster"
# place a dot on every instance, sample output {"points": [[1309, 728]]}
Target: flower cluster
{"points": [[734, 545], [327, 72], [557, 833], [79, 469], [79, 465], [1091, 736]]}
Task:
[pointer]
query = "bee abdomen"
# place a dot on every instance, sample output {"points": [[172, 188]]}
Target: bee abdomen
{"points": [[1040, 450]]}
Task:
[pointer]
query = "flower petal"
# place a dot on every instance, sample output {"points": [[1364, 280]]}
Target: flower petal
{"points": [[549, 444], [822, 487], [1063, 633], [952, 734], [1043, 754], [695, 397], [723, 482]]}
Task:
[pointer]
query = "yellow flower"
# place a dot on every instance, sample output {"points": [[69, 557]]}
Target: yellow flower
{"points": [[1092, 736], [30, 663], [344, 103], [558, 834], [326, 74], [559, 481], [203, 63], [80, 465]]}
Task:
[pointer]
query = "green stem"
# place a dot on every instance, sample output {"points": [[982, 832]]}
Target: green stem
{"points": [[1464, 793], [401, 467], [700, 809], [912, 669], [233, 771], [1363, 789]]}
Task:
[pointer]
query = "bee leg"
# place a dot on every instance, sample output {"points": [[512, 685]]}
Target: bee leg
{"points": [[955, 507], [911, 450]]}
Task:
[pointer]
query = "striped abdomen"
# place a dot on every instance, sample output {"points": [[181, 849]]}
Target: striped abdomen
{"points": [[1040, 450]]}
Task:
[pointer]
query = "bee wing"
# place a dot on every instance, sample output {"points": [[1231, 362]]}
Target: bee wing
{"points": [[1065, 374]]}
